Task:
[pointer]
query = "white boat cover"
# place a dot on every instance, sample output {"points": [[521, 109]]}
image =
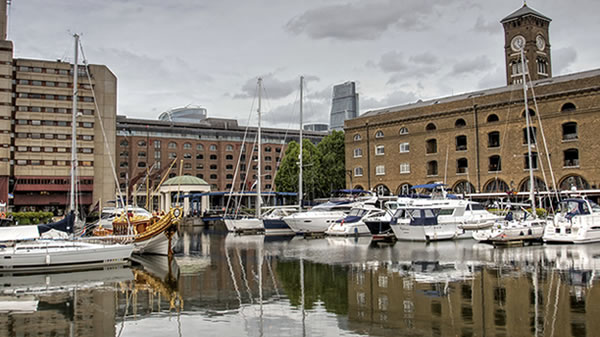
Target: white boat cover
{"points": [[17, 233]]}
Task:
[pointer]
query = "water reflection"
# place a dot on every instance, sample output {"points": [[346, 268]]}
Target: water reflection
{"points": [[230, 285]]}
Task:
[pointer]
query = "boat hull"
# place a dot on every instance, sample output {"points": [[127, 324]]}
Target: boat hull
{"points": [[316, 222], [60, 255], [348, 229], [277, 227], [239, 225], [436, 232], [566, 233], [507, 231]]}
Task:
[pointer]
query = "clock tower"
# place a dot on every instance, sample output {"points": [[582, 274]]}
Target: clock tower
{"points": [[528, 29]]}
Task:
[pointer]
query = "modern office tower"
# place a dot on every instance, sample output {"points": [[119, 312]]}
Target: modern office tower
{"points": [[319, 127], [344, 105]]}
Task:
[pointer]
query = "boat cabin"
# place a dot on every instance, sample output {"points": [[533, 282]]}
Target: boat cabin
{"points": [[416, 216]]}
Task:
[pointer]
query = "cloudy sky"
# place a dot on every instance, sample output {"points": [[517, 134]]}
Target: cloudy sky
{"points": [[177, 52]]}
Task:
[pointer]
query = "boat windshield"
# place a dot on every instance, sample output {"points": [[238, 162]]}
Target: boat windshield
{"points": [[595, 207], [358, 212]]}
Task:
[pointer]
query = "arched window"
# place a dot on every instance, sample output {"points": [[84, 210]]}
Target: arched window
{"points": [[187, 146], [571, 158], [187, 166], [531, 113], [268, 149], [229, 157], [568, 107], [496, 186], [357, 137], [124, 143], [462, 165], [494, 139], [213, 157], [229, 147], [569, 131], [213, 176], [492, 118], [432, 168], [229, 176], [379, 134], [495, 164], [229, 167], [172, 145], [199, 156], [430, 127], [200, 175], [358, 171], [532, 132], [268, 177], [403, 131], [404, 189], [382, 190], [574, 181], [460, 123], [461, 143], [187, 156], [141, 164], [199, 166], [431, 146], [357, 153], [463, 186], [200, 147], [268, 168], [213, 167], [141, 143], [539, 185], [213, 147]]}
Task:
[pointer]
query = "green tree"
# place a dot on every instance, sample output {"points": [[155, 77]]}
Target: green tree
{"points": [[331, 163], [286, 178]]}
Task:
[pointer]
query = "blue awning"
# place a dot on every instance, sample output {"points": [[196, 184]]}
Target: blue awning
{"points": [[427, 186]]}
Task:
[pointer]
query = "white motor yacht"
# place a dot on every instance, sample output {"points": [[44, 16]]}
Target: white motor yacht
{"points": [[352, 224], [319, 218], [577, 221], [513, 228], [421, 224]]}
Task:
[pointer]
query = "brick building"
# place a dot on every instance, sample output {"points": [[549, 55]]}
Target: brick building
{"points": [[209, 149], [477, 142]]}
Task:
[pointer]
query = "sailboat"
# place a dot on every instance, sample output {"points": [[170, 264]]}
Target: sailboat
{"points": [[511, 228], [24, 248], [252, 223]]}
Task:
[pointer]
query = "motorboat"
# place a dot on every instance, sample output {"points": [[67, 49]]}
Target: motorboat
{"points": [[421, 224], [513, 227], [320, 217], [467, 216], [273, 221], [245, 223], [352, 223], [577, 221], [379, 222]]}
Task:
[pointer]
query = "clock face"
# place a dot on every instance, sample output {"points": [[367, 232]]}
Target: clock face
{"points": [[540, 42], [517, 43]]}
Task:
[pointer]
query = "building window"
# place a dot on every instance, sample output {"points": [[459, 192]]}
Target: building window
{"points": [[141, 164], [404, 168], [268, 158], [542, 66], [462, 165], [531, 113], [357, 137], [213, 157], [494, 139], [141, 154], [229, 147], [229, 157], [200, 147], [380, 170], [357, 153], [213, 147], [495, 164], [124, 143], [172, 145], [213, 176], [571, 157], [187, 156], [268, 149], [199, 156], [430, 127], [156, 154], [187, 146], [569, 131], [404, 147], [229, 176], [460, 123], [379, 134], [432, 168], [278, 149], [268, 177], [199, 166], [157, 144], [534, 160], [187, 166], [403, 131], [532, 132], [358, 171], [431, 146], [213, 167], [379, 150], [268, 168], [461, 143], [492, 118], [568, 107], [229, 167], [172, 155]]}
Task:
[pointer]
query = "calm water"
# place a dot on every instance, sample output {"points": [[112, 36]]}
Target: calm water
{"points": [[227, 285]]}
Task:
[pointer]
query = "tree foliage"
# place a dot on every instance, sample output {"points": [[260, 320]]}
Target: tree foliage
{"points": [[324, 167]]}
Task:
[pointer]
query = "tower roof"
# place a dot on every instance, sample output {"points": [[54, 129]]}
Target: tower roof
{"points": [[523, 11]]}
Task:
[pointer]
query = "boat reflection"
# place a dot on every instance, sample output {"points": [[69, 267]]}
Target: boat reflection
{"points": [[79, 303]]}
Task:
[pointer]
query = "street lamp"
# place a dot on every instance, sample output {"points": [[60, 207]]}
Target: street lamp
{"points": [[349, 173]]}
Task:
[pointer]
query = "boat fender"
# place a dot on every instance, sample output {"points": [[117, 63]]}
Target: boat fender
{"points": [[47, 259]]}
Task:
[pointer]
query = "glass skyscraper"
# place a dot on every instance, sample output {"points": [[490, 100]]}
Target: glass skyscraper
{"points": [[344, 105]]}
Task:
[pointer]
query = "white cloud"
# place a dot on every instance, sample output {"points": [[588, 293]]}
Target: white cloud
{"points": [[562, 60]]}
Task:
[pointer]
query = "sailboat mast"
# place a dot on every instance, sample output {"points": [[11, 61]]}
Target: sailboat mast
{"points": [[524, 67], [300, 139], [259, 181], [74, 127]]}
